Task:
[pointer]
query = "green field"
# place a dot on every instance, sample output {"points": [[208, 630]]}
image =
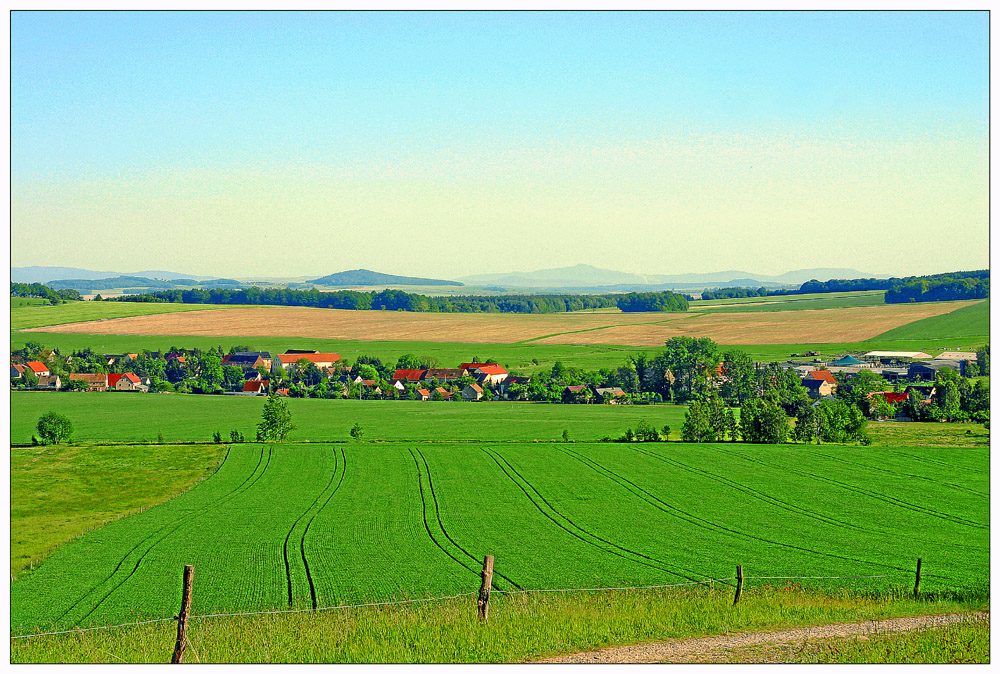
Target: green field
{"points": [[24, 315], [793, 302], [964, 323], [361, 521], [138, 417]]}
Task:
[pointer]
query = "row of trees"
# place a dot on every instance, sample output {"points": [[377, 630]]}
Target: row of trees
{"points": [[386, 300], [44, 292]]}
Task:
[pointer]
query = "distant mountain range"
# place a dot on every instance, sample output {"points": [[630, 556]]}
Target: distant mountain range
{"points": [[46, 274], [581, 277], [367, 277], [586, 276]]}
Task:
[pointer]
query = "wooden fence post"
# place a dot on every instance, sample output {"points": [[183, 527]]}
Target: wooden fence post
{"points": [[916, 584], [182, 617], [739, 583], [484, 588]]}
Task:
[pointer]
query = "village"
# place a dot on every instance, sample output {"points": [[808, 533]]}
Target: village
{"points": [[310, 373]]}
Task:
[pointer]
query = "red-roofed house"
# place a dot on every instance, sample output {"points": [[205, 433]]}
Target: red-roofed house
{"points": [[321, 360], [447, 395], [486, 373], [255, 387], [39, 368], [891, 397], [423, 393], [408, 375], [17, 370], [126, 382], [822, 375]]}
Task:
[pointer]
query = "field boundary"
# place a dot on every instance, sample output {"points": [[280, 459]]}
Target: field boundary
{"points": [[710, 582]]}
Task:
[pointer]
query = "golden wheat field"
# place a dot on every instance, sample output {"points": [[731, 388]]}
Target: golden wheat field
{"points": [[651, 329]]}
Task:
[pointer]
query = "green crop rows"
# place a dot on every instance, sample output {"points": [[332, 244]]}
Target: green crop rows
{"points": [[316, 525]]}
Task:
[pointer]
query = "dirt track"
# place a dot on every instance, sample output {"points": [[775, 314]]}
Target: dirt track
{"points": [[715, 649], [785, 327]]}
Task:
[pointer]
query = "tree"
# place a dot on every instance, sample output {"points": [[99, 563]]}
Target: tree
{"points": [[357, 432], [763, 421], [805, 423], [740, 377], [697, 423], [983, 360], [276, 420], [690, 360], [54, 428]]}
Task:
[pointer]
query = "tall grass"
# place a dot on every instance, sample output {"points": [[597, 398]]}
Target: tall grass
{"points": [[522, 627]]}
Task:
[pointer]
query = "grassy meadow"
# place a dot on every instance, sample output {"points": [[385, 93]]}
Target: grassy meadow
{"points": [[522, 628], [58, 492]]}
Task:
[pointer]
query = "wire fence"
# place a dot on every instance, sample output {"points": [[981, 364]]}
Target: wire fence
{"points": [[709, 581]]}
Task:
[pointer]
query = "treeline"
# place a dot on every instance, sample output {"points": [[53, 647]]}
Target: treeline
{"points": [[939, 289], [44, 292], [961, 285], [398, 300], [731, 293], [661, 301]]}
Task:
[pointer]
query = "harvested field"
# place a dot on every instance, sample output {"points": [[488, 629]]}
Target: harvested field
{"points": [[364, 325], [652, 329], [852, 324]]}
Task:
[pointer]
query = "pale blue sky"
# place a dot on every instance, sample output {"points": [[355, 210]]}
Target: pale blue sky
{"points": [[649, 142]]}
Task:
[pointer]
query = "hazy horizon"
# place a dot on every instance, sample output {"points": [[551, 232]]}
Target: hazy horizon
{"points": [[446, 145]]}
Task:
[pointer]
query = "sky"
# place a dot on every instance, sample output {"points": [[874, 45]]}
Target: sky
{"points": [[442, 144]]}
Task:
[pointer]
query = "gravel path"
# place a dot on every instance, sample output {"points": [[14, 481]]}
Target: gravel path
{"points": [[685, 650]]}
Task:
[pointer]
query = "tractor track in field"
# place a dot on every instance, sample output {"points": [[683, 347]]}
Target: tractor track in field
{"points": [[302, 542], [437, 515], [146, 538], [865, 492], [936, 462], [288, 566], [243, 487], [895, 472], [759, 495], [665, 507], [658, 564]]}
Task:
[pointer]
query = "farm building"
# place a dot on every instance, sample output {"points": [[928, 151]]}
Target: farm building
{"points": [[472, 392], [247, 361], [847, 361], [928, 369], [817, 388], [893, 356], [423, 393], [95, 382], [321, 360], [255, 387], [822, 375], [50, 382], [128, 381], [490, 373], [610, 393], [17, 370], [444, 375]]}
